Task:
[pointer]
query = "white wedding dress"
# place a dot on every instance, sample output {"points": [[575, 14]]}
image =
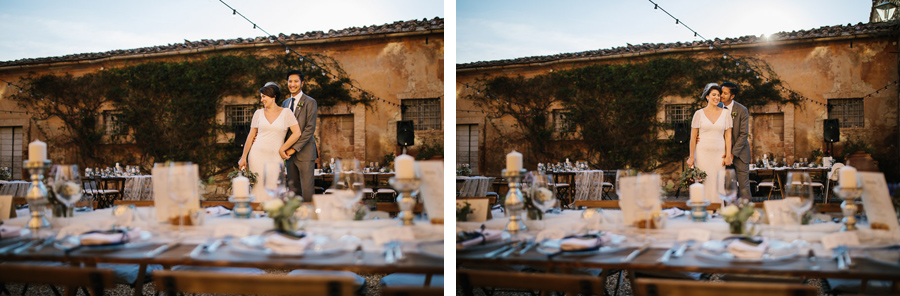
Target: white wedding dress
{"points": [[269, 138], [710, 149]]}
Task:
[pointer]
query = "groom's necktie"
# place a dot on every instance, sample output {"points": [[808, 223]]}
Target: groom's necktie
{"points": [[292, 104]]}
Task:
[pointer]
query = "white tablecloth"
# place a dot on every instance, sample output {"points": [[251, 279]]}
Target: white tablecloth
{"points": [[15, 188], [589, 185]]}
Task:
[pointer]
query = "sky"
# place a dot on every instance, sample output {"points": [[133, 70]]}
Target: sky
{"points": [[495, 30], [47, 28]]}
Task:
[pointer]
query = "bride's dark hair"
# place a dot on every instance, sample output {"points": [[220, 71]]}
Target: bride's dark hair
{"points": [[271, 90]]}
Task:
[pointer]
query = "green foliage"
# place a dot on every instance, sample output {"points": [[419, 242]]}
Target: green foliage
{"points": [[170, 107], [431, 149], [853, 145], [614, 107]]}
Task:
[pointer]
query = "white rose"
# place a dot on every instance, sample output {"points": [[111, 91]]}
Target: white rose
{"points": [[730, 210], [544, 194], [273, 205]]}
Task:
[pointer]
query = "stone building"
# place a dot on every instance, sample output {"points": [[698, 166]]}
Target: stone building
{"points": [[399, 63], [849, 72]]}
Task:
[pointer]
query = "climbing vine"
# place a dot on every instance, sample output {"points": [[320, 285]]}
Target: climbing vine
{"points": [[612, 109]]}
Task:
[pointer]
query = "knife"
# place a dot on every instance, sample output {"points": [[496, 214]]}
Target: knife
{"points": [[196, 252], [6, 249], [665, 257], [684, 246], [635, 253], [24, 247], [527, 247], [162, 248], [494, 253]]}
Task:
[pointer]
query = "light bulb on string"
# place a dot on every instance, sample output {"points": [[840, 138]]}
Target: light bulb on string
{"points": [[677, 22], [234, 13], [725, 56], [287, 50], [655, 6], [254, 26]]}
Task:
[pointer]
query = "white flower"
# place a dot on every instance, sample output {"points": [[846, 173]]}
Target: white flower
{"points": [[544, 194], [272, 205], [730, 210]]}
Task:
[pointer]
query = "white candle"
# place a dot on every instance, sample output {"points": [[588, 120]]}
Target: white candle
{"points": [[696, 192], [240, 186], [848, 177], [514, 161], [37, 151], [404, 167]]}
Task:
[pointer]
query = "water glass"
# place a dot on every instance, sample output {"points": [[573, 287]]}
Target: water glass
{"points": [[349, 182], [798, 194], [727, 185], [542, 192], [274, 179], [67, 184], [620, 174]]}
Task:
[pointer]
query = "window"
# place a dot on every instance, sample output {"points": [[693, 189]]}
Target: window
{"points": [[239, 114], [467, 145], [561, 122], [425, 113], [848, 111], [113, 125], [11, 150], [677, 113]]}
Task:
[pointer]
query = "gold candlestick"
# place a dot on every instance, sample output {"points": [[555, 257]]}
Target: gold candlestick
{"points": [[514, 202], [37, 194], [405, 186]]}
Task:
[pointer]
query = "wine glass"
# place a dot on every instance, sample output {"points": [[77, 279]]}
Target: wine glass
{"points": [[274, 179], [619, 175], [67, 184], [798, 195], [182, 186], [726, 185], [543, 193], [646, 199], [349, 182]]}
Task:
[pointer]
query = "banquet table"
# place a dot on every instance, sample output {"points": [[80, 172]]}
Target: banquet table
{"points": [[358, 251], [692, 261]]}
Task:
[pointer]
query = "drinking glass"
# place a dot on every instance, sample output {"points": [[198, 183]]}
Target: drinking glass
{"points": [[798, 195], [67, 184], [646, 199], [726, 185], [619, 175], [351, 181], [543, 193], [274, 179], [182, 186]]}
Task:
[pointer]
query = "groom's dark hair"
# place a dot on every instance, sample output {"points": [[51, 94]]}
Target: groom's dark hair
{"points": [[295, 72], [733, 88]]}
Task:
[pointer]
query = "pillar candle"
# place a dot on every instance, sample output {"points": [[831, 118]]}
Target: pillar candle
{"points": [[37, 151], [514, 161], [404, 167], [848, 177], [240, 186], [696, 192]]}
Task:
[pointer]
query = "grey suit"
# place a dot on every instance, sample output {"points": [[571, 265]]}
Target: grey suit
{"points": [[301, 166], [740, 147]]}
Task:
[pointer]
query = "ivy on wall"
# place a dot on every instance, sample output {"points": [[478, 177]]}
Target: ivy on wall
{"points": [[170, 107], [613, 108]]}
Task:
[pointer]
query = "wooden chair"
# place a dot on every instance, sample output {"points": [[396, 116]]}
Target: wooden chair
{"points": [[567, 283], [95, 279], [654, 287], [412, 291], [815, 177], [770, 179], [172, 282]]}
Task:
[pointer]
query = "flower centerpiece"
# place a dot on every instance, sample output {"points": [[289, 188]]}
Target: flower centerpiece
{"points": [[462, 211], [282, 213], [5, 174], [737, 215], [690, 176]]}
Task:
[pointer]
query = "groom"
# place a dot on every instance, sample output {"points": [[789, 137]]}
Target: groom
{"points": [[740, 146], [302, 164]]}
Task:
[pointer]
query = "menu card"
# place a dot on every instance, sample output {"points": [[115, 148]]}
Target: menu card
{"points": [[6, 208], [631, 191], [330, 208], [166, 208], [877, 204], [431, 191], [779, 213]]}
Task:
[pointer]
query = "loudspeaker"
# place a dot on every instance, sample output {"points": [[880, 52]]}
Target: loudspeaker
{"points": [[406, 133], [241, 131], [832, 130], [682, 133]]}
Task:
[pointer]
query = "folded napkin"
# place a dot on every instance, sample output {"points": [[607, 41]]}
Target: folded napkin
{"points": [[283, 245], [104, 238], [487, 236], [217, 211], [745, 250], [674, 212], [8, 231], [579, 243]]}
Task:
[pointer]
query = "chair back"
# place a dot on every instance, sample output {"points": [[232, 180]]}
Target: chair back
{"points": [[655, 287], [412, 291], [572, 284], [95, 279], [172, 282]]}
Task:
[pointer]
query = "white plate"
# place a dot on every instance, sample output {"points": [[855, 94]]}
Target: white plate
{"points": [[718, 250], [504, 239], [432, 249], [255, 244], [142, 240], [549, 247]]}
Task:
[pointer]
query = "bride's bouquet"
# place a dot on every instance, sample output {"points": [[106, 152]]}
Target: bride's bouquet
{"points": [[691, 176]]}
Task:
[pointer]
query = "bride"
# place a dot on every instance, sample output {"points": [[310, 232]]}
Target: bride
{"points": [[710, 140], [266, 143]]}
